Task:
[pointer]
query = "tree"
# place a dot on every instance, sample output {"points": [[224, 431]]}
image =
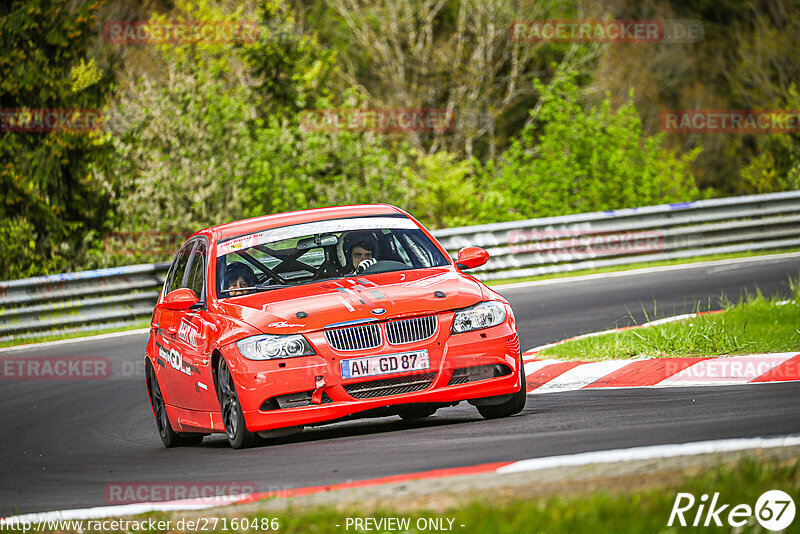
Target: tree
{"points": [[573, 160], [51, 202], [454, 55], [748, 59]]}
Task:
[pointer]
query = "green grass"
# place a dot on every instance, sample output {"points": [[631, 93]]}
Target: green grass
{"points": [[142, 323], [645, 508], [754, 325], [644, 265]]}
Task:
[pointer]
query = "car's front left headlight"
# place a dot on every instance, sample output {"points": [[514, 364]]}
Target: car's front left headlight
{"points": [[269, 347], [482, 315]]}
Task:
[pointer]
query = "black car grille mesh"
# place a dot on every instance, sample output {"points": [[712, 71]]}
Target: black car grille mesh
{"points": [[411, 330], [292, 400], [465, 375], [390, 386], [365, 336]]}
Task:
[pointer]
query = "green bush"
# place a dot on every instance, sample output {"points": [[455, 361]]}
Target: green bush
{"points": [[50, 197], [19, 254], [575, 158]]}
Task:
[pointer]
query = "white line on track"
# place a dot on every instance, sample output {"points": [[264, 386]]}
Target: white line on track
{"points": [[657, 322], [648, 453], [646, 270], [75, 340], [100, 512]]}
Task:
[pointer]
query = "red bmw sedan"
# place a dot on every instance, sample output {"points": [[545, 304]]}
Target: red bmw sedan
{"points": [[270, 324]]}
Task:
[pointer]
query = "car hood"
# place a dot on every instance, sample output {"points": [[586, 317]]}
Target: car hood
{"points": [[400, 294]]}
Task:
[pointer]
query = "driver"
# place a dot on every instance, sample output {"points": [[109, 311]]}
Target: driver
{"points": [[360, 252], [239, 276]]}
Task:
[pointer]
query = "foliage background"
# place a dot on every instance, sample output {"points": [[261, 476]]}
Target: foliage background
{"points": [[201, 134]]}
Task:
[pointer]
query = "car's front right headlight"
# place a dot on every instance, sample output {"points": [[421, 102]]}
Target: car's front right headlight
{"points": [[269, 347], [482, 315]]}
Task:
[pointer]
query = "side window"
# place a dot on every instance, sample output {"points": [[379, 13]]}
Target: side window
{"points": [[419, 253], [197, 270], [401, 251], [178, 268]]}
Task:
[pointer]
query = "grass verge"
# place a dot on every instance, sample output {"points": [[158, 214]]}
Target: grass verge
{"points": [[644, 265], [616, 508], [754, 325], [644, 511]]}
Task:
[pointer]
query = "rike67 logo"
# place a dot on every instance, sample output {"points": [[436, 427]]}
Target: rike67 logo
{"points": [[774, 510]]}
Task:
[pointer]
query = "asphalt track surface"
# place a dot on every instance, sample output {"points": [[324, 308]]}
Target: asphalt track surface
{"points": [[62, 442]]}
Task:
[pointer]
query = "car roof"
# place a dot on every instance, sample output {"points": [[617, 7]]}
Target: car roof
{"points": [[248, 226]]}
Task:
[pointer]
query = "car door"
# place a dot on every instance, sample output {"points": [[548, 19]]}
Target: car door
{"points": [[194, 330], [165, 328]]}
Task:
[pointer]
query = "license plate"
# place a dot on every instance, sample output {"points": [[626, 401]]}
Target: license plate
{"points": [[385, 364]]}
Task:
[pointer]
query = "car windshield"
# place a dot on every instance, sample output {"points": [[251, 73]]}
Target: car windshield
{"points": [[322, 250]]}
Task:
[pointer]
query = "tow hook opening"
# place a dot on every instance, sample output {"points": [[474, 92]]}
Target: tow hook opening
{"points": [[316, 397]]}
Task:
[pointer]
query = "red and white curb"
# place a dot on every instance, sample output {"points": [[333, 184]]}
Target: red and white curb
{"points": [[550, 375], [499, 468]]}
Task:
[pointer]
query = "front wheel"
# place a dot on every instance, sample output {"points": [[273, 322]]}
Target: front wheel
{"points": [[511, 407], [232, 416]]}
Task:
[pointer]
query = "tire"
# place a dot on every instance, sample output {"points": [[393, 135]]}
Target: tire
{"points": [[513, 406], [169, 437], [417, 411], [232, 416]]}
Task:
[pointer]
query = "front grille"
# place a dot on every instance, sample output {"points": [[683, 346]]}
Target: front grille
{"points": [[410, 330], [390, 386], [365, 336], [465, 375]]}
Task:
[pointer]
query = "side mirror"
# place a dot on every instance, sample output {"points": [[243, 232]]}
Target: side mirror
{"points": [[180, 299], [470, 257]]}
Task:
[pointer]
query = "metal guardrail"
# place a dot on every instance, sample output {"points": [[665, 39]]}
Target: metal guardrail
{"points": [[634, 235], [104, 298], [76, 302]]}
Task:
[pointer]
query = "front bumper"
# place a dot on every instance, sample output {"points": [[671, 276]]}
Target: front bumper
{"points": [[278, 393]]}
